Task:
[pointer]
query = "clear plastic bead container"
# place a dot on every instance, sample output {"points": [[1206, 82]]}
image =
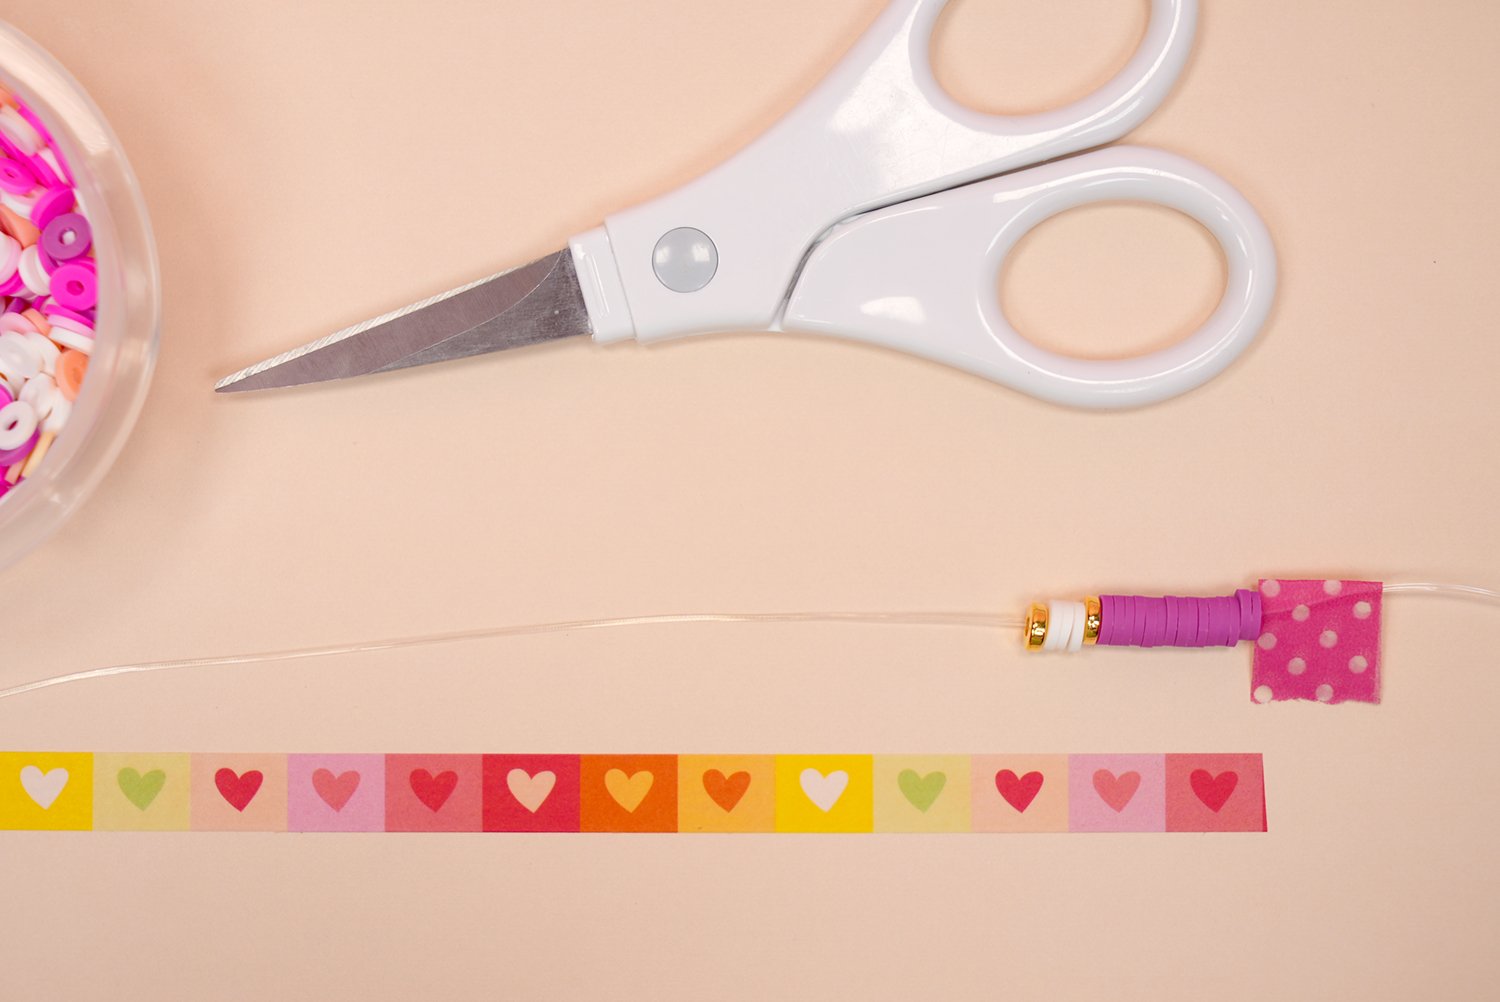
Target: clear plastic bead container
{"points": [[129, 306]]}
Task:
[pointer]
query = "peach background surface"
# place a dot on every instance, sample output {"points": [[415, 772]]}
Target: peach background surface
{"points": [[310, 164]]}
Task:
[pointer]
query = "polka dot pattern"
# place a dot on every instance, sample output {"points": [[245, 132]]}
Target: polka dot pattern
{"points": [[1320, 640]]}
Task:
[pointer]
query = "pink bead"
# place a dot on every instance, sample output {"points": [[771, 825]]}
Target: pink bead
{"points": [[56, 311], [34, 121], [74, 288], [67, 324], [16, 177], [53, 203], [12, 285], [11, 149], [45, 175]]}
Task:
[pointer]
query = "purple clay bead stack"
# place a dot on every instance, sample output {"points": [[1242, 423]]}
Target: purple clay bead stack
{"points": [[1172, 621]]}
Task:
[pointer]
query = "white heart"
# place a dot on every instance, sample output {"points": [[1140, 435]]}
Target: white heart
{"points": [[531, 791], [822, 790], [43, 787]]}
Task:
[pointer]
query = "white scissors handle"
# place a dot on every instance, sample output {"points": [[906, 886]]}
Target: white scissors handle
{"points": [[921, 277], [723, 252], [879, 129]]}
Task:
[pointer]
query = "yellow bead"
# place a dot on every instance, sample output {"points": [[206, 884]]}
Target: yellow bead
{"points": [[1036, 627], [1093, 619]]}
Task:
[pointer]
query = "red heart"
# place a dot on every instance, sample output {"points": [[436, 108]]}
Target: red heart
{"points": [[1018, 791], [1116, 791], [726, 791], [1213, 790], [238, 790], [335, 790], [431, 790]]}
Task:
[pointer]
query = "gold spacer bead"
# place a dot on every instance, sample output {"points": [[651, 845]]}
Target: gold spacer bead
{"points": [[1093, 619], [1036, 627]]}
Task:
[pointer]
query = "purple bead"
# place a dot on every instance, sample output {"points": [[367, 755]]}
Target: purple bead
{"points": [[53, 241], [1138, 620], [1156, 623], [1205, 622], [1106, 607], [1187, 622], [9, 457], [1249, 622]]}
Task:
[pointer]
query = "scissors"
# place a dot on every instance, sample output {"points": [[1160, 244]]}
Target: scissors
{"points": [[880, 210]]}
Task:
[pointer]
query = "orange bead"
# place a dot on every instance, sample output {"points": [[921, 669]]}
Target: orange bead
{"points": [[72, 366], [19, 227], [39, 321]]}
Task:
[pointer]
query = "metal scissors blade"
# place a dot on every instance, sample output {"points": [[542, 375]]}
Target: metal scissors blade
{"points": [[531, 304]]}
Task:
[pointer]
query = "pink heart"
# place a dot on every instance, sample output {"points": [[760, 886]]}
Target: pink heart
{"points": [[335, 790], [1116, 791]]}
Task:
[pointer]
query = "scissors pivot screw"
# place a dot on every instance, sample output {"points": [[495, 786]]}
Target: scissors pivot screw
{"points": [[685, 259]]}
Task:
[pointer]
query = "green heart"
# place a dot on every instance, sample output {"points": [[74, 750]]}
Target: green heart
{"points": [[921, 790], [141, 790]]}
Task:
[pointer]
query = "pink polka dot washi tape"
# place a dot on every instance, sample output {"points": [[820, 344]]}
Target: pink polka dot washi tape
{"points": [[49, 291], [1319, 640]]}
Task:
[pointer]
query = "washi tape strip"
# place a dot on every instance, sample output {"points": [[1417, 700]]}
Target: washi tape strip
{"points": [[631, 793]]}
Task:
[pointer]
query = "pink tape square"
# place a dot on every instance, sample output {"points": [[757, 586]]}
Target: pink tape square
{"points": [[1319, 640]]}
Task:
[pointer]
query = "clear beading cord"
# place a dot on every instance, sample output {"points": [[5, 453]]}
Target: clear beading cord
{"points": [[1444, 590], [970, 620], [949, 619]]}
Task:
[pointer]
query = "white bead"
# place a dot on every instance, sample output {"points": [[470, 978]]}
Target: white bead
{"points": [[19, 131], [41, 393], [17, 424], [15, 323], [1059, 625], [32, 272], [62, 409], [10, 257], [19, 204], [72, 339], [76, 326], [19, 358], [46, 349], [1080, 623]]}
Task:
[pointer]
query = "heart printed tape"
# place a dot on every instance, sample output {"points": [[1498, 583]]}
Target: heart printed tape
{"points": [[631, 793]]}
